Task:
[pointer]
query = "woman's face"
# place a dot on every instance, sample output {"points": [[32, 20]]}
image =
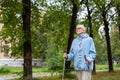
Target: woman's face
{"points": [[79, 31]]}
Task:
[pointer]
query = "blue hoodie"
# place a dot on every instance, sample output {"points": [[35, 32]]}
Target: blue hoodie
{"points": [[82, 49]]}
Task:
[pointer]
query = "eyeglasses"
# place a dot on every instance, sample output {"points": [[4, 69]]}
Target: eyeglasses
{"points": [[78, 28]]}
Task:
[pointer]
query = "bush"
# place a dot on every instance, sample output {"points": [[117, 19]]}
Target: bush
{"points": [[4, 69], [54, 59]]}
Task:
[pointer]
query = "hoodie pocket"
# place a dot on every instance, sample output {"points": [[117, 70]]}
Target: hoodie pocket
{"points": [[86, 65]]}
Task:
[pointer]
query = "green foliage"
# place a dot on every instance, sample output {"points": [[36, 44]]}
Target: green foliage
{"points": [[50, 24], [54, 59], [4, 69], [10, 70], [43, 24], [101, 51], [12, 30], [115, 41], [55, 29]]}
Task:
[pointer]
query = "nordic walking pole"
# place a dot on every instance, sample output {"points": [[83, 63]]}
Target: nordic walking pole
{"points": [[63, 69]]}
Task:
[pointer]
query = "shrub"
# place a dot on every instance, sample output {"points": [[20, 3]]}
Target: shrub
{"points": [[4, 69]]}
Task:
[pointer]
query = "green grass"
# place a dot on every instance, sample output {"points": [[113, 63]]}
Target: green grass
{"points": [[70, 76], [99, 76], [9, 70], [103, 67], [12, 70], [40, 70], [107, 75], [67, 76], [15, 70]]}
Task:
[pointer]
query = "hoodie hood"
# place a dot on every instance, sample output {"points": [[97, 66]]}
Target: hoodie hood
{"points": [[82, 36]]}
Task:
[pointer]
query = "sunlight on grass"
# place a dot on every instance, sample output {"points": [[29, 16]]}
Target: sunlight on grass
{"points": [[70, 76], [107, 76], [40, 70], [101, 67], [98, 76], [12, 70]]}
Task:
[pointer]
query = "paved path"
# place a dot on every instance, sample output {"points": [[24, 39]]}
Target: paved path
{"points": [[13, 76], [41, 74], [8, 77]]}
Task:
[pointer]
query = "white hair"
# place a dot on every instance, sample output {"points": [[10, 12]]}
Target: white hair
{"points": [[81, 26]]}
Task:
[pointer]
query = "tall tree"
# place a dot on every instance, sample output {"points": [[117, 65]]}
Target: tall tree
{"points": [[75, 9], [90, 9], [89, 16], [27, 40], [103, 8], [72, 30]]}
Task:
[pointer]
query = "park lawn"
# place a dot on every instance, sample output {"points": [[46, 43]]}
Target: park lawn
{"points": [[107, 75], [99, 76], [105, 67], [14, 70]]}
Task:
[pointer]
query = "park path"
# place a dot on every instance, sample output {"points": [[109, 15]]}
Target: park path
{"points": [[13, 76], [8, 77], [40, 74]]}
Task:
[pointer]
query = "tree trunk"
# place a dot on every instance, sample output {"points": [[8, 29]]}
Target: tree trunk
{"points": [[27, 40], [108, 42], [91, 29], [89, 19], [71, 34]]}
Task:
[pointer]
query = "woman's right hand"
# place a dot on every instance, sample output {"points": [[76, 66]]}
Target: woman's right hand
{"points": [[65, 55]]}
